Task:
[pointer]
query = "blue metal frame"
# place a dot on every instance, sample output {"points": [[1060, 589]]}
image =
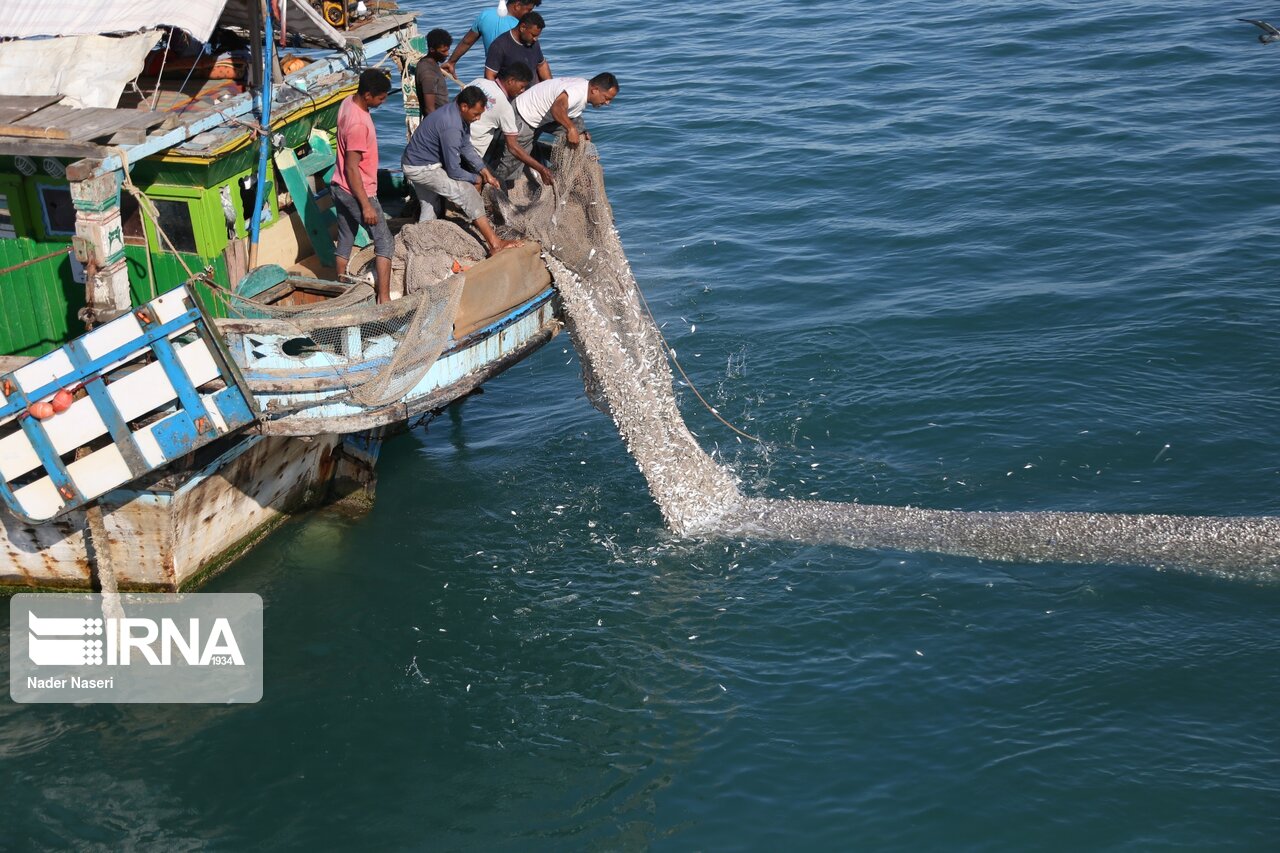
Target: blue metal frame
{"points": [[178, 434], [82, 373]]}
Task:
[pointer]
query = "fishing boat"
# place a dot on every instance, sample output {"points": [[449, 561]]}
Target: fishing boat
{"points": [[181, 367]]}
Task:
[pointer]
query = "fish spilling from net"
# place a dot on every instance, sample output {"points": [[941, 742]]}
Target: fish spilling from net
{"points": [[627, 376]]}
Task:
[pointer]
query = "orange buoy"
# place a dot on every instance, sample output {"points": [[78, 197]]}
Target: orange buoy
{"points": [[41, 411], [61, 401]]}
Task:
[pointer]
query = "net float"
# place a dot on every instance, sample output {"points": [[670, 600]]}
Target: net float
{"points": [[61, 401], [41, 411]]}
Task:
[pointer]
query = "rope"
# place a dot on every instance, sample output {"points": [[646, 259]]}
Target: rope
{"points": [[671, 353], [145, 203], [194, 62], [159, 77], [17, 267]]}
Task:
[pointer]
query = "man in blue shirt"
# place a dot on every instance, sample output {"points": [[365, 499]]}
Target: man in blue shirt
{"points": [[440, 162], [488, 25]]}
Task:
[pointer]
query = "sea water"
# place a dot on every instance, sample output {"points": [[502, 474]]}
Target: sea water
{"points": [[984, 256]]}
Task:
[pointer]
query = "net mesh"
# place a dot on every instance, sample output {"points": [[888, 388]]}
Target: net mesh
{"points": [[627, 376], [374, 353]]}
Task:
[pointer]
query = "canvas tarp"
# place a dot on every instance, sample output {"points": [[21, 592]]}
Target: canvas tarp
{"points": [[28, 18], [90, 71]]}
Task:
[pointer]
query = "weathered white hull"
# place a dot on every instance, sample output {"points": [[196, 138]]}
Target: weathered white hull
{"points": [[188, 525]]}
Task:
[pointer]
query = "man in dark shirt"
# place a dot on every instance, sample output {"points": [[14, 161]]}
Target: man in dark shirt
{"points": [[490, 24], [433, 92], [519, 45], [440, 162]]}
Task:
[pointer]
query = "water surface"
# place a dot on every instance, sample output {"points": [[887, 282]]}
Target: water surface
{"points": [[996, 255]]}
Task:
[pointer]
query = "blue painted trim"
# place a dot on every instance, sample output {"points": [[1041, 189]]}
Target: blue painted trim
{"points": [[11, 500], [264, 146], [181, 383], [106, 407], [49, 458], [234, 407], [498, 325], [373, 365], [149, 336]]}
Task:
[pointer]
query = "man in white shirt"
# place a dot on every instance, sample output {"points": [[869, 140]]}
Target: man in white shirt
{"points": [[558, 101], [495, 133]]}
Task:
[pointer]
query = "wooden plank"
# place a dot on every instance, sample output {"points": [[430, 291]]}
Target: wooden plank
{"points": [[13, 146], [14, 107], [31, 103], [33, 132], [99, 124], [379, 25], [128, 136], [50, 116]]}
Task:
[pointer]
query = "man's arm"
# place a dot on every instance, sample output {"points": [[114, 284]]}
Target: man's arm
{"points": [[351, 169], [460, 51], [544, 71], [493, 61], [525, 157], [560, 112], [452, 144]]}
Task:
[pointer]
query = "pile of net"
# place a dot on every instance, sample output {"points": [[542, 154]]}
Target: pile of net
{"points": [[375, 353], [627, 376]]}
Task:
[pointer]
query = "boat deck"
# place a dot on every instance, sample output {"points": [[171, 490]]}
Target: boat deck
{"points": [[196, 115]]}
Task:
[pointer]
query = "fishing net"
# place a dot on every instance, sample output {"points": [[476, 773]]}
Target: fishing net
{"points": [[299, 338], [627, 376]]}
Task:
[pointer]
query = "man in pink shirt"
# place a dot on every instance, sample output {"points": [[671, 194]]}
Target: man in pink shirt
{"points": [[355, 180]]}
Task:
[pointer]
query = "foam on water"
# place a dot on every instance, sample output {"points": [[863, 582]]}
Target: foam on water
{"points": [[627, 376]]}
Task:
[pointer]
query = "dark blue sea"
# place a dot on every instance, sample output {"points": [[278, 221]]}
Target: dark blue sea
{"points": [[971, 255]]}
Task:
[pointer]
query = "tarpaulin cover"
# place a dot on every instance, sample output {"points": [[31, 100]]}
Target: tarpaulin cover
{"points": [[91, 71], [28, 18]]}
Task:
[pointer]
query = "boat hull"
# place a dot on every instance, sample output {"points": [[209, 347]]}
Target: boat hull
{"points": [[186, 527]]}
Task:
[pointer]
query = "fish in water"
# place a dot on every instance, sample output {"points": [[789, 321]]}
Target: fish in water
{"points": [[1269, 33]]}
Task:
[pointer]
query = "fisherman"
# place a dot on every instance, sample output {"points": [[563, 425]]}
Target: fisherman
{"points": [[355, 180], [495, 133], [519, 45], [558, 101], [439, 161], [433, 91], [490, 24]]}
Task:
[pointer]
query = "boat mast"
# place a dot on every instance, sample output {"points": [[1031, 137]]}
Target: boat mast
{"points": [[261, 40]]}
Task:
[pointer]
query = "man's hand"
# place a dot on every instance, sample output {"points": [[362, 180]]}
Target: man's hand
{"points": [[368, 215], [545, 174], [489, 179], [449, 67], [571, 135]]}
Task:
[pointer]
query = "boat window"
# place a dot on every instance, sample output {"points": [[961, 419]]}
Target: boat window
{"points": [[6, 218], [59, 212], [131, 220], [175, 218]]}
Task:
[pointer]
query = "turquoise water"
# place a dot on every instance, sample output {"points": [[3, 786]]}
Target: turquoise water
{"points": [[1001, 256]]}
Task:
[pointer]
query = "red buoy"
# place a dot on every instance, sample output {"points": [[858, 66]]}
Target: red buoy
{"points": [[62, 401]]}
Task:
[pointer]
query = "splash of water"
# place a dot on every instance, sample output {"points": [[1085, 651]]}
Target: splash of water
{"points": [[627, 375]]}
